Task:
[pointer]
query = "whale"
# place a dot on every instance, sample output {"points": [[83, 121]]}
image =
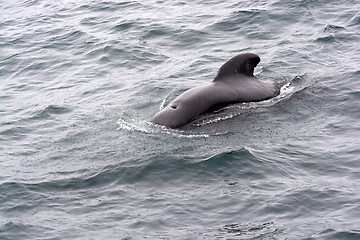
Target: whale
{"points": [[234, 83]]}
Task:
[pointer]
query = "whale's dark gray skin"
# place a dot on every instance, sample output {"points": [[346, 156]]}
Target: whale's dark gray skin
{"points": [[235, 82]]}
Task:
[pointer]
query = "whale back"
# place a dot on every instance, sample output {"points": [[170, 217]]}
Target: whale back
{"points": [[241, 64]]}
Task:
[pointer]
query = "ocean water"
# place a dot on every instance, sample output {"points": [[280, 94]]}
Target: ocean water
{"points": [[80, 81]]}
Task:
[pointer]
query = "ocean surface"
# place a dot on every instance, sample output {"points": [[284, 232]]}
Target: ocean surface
{"points": [[80, 159]]}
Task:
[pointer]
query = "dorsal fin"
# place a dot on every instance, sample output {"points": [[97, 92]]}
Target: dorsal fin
{"points": [[241, 64]]}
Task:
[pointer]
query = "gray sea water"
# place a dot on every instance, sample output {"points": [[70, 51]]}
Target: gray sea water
{"points": [[80, 81]]}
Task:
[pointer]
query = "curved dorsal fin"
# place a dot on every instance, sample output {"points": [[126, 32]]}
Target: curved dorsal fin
{"points": [[241, 64]]}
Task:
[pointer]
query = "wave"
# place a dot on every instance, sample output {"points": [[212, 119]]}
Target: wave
{"points": [[16, 129], [265, 230], [160, 168]]}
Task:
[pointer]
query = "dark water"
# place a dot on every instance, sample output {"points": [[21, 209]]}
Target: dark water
{"points": [[80, 159]]}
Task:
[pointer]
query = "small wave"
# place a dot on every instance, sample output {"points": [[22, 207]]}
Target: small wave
{"points": [[49, 111], [334, 234], [13, 133], [355, 20], [244, 163], [162, 168], [326, 39], [251, 230], [332, 28]]}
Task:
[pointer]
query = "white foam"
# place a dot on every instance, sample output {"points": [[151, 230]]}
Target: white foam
{"points": [[131, 127], [150, 128]]}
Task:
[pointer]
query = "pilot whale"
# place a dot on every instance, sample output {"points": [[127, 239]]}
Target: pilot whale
{"points": [[234, 82]]}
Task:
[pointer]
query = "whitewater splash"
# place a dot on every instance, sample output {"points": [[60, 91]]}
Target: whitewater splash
{"points": [[146, 127], [132, 126]]}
